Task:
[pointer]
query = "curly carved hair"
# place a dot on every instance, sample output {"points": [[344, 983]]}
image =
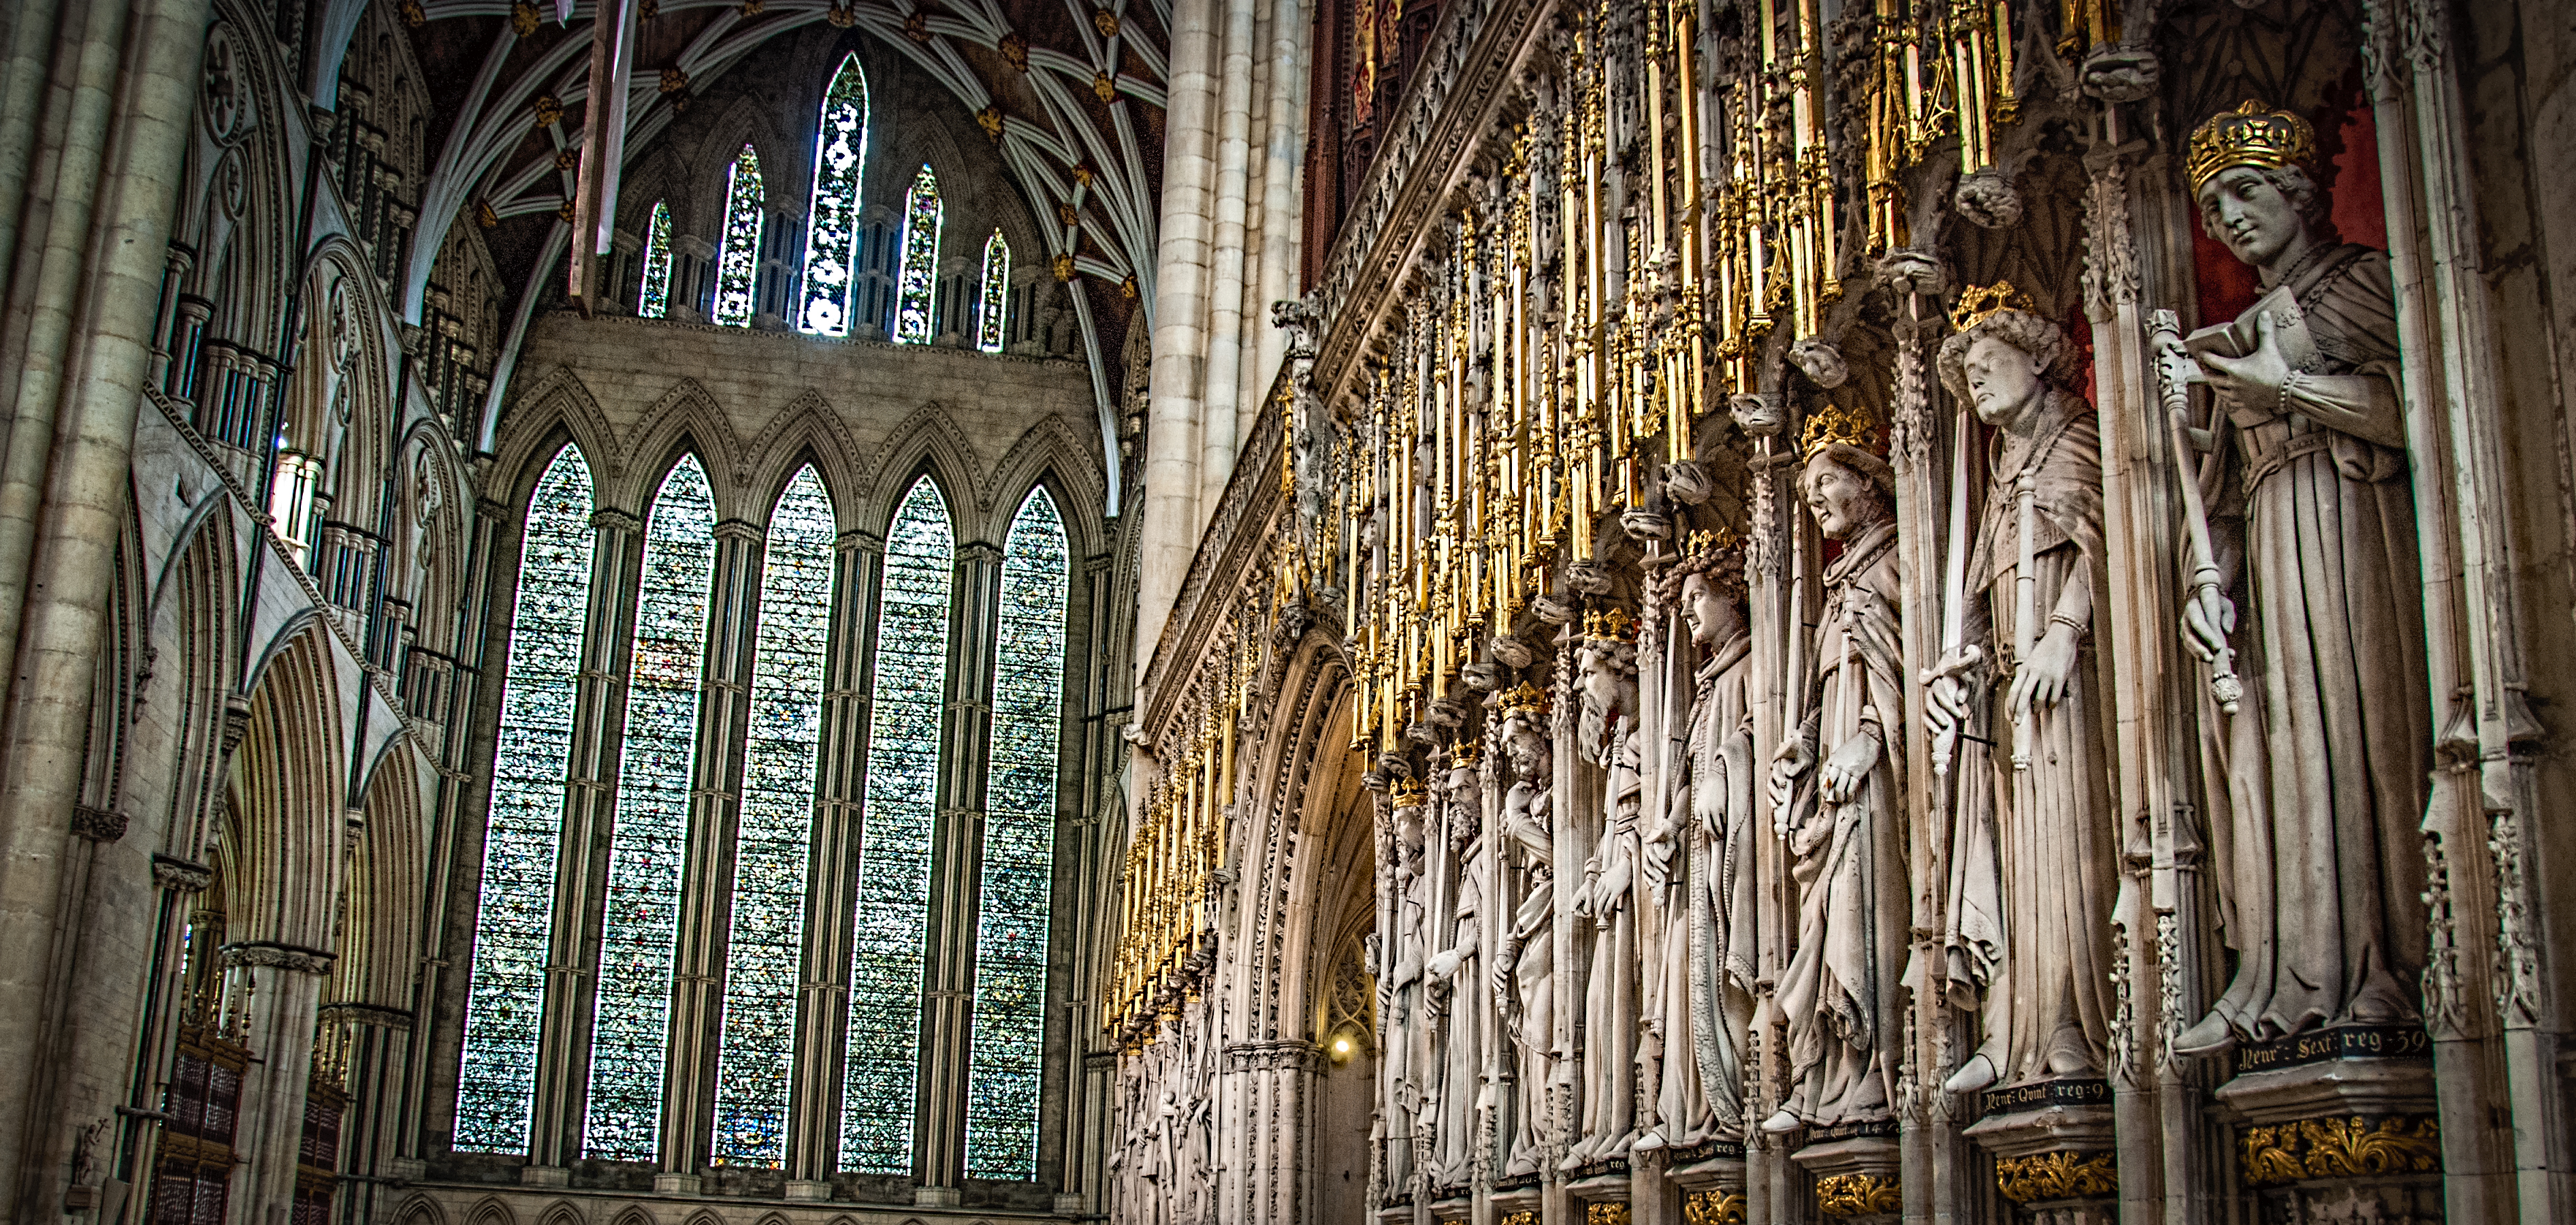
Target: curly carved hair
{"points": [[1723, 566], [2294, 182], [2020, 329]]}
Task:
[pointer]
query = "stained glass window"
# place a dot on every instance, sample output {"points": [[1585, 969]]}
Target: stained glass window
{"points": [[997, 288], [497, 1083], [913, 321], [1019, 850], [654, 300], [832, 234], [647, 842], [901, 796], [738, 258], [765, 950]]}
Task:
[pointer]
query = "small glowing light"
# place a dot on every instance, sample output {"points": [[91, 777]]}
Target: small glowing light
{"points": [[1341, 1046]]}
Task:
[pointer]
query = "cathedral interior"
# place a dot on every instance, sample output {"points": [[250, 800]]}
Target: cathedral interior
{"points": [[1319, 612]]}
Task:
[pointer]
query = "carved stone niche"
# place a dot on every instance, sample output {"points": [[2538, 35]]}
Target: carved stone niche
{"points": [[1855, 1177], [2338, 1124], [1518, 1205], [2052, 1142]]}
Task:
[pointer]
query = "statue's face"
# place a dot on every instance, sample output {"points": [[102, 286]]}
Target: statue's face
{"points": [[2243, 209], [1712, 617], [1842, 500], [1527, 752], [2003, 381]]}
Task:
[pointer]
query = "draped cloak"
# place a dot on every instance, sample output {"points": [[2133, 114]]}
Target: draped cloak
{"points": [[2326, 764], [2036, 861]]}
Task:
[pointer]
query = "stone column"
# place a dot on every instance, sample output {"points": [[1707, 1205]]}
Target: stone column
{"points": [[275, 992], [706, 906], [831, 880], [956, 872], [1218, 407], [581, 862], [55, 628], [1181, 277], [22, 81], [374, 1045]]}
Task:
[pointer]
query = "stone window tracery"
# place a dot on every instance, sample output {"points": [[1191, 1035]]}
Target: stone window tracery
{"points": [[766, 942], [992, 309], [738, 258], [647, 843], [653, 301], [902, 796], [497, 1083], [915, 317], [1019, 848], [832, 239]]}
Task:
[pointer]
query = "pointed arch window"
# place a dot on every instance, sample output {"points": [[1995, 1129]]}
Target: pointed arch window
{"points": [[915, 315], [738, 257], [653, 300], [995, 303], [497, 1083], [832, 234], [902, 797], [1017, 888], [764, 955], [647, 842]]}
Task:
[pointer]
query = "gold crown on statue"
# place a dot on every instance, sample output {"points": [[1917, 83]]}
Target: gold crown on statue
{"points": [[1464, 752], [2250, 135], [1524, 699], [1707, 541], [1983, 302], [1837, 425], [1408, 792], [1610, 625]]}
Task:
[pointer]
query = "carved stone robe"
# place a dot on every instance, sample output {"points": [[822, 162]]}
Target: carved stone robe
{"points": [[1846, 859], [1719, 786], [1610, 990], [1530, 1007], [2037, 862], [2328, 762]]}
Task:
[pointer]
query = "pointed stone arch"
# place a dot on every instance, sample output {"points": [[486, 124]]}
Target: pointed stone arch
{"points": [[748, 121], [557, 408], [419, 1210], [808, 428], [285, 832], [560, 1212], [926, 439], [493, 1210], [379, 936], [193, 610], [1052, 451], [686, 417]]}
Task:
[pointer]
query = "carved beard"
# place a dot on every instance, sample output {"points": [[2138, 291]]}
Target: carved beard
{"points": [[1592, 731]]}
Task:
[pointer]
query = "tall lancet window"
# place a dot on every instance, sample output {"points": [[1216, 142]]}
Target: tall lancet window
{"points": [[1019, 850], [653, 301], [766, 946], [902, 797], [738, 258], [915, 312], [996, 298], [832, 234], [497, 1084], [648, 841]]}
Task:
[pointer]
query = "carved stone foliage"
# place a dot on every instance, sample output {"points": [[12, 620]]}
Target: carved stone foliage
{"points": [[2345, 1147], [2061, 1175]]}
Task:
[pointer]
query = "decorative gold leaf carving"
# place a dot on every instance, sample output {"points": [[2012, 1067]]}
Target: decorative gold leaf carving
{"points": [[1605, 1214], [1713, 1208], [1858, 1195], [2346, 1146], [2062, 1175]]}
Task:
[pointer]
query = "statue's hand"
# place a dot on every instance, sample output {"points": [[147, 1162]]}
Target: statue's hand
{"points": [[1850, 764], [1442, 965], [1791, 759], [2042, 678], [2207, 619], [2255, 379]]}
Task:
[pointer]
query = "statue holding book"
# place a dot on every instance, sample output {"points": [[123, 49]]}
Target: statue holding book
{"points": [[2324, 765]]}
